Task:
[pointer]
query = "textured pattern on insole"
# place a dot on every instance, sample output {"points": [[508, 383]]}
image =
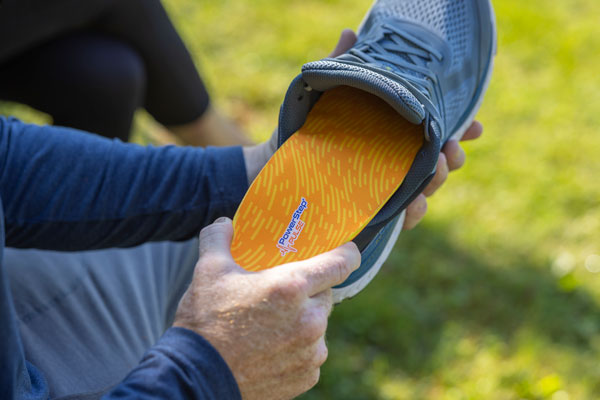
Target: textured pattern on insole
{"points": [[326, 182]]}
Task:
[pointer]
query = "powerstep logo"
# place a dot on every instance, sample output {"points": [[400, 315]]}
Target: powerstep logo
{"points": [[285, 244]]}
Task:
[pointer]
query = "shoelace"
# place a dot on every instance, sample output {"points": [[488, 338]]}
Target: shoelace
{"points": [[411, 53]]}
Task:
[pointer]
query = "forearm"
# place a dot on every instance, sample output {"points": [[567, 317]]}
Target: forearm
{"points": [[65, 190]]}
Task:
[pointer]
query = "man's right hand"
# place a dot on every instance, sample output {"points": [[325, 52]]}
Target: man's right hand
{"points": [[269, 326]]}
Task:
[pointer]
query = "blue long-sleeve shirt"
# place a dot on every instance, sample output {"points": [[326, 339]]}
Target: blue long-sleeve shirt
{"points": [[64, 190]]}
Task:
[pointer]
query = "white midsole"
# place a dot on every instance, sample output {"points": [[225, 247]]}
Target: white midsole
{"points": [[351, 290]]}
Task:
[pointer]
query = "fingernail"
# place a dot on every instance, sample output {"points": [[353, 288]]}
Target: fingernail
{"points": [[221, 220]]}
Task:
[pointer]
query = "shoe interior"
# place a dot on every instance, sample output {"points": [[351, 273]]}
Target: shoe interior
{"points": [[327, 181]]}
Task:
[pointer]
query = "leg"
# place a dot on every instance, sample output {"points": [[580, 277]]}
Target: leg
{"points": [[175, 96], [83, 80], [86, 318]]}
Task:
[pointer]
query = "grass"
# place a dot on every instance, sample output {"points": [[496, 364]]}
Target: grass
{"points": [[496, 294]]}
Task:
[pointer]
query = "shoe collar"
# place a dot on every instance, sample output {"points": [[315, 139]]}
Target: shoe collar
{"points": [[306, 89], [320, 76]]}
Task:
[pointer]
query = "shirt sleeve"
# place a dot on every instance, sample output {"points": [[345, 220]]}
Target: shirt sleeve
{"points": [[182, 365], [66, 190]]}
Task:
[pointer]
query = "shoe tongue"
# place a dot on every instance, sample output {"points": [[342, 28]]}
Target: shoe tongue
{"points": [[329, 73]]}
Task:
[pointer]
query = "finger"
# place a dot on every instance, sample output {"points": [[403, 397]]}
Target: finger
{"points": [[294, 384], [474, 131], [215, 239], [315, 315], [346, 41], [324, 301], [415, 212], [441, 174], [455, 155], [325, 270], [322, 351]]}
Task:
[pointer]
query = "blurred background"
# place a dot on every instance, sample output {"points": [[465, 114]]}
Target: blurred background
{"points": [[496, 295]]}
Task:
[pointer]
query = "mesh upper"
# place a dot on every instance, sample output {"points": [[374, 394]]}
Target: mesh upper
{"points": [[453, 21], [455, 100], [449, 19]]}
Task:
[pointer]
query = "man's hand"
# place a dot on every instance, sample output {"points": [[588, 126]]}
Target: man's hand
{"points": [[451, 158], [269, 326]]}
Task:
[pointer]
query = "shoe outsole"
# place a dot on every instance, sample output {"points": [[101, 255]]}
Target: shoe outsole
{"points": [[351, 290]]}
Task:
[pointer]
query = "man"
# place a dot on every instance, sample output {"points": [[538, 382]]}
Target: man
{"points": [[77, 322]]}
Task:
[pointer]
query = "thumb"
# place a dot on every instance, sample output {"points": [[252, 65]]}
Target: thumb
{"points": [[215, 239], [325, 270], [346, 41]]}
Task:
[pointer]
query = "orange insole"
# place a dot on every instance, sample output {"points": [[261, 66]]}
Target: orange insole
{"points": [[326, 182]]}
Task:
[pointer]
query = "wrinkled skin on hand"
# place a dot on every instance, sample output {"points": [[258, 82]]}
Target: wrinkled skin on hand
{"points": [[269, 326]]}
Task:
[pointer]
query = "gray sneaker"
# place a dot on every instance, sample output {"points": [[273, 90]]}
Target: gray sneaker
{"points": [[431, 60]]}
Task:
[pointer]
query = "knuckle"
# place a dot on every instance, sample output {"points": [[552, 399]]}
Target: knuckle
{"points": [[289, 291], [327, 302], [339, 267], [442, 159], [314, 326], [415, 212], [207, 260], [204, 263], [459, 160], [278, 292], [442, 176], [208, 235], [209, 231], [299, 284], [321, 353], [419, 204]]}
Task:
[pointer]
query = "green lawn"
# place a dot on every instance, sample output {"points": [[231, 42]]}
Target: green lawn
{"points": [[496, 295]]}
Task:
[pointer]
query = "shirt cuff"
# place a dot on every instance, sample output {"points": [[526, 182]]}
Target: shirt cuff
{"points": [[206, 373], [229, 179]]}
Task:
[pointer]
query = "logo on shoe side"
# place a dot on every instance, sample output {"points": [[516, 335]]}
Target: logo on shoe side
{"points": [[285, 244]]}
